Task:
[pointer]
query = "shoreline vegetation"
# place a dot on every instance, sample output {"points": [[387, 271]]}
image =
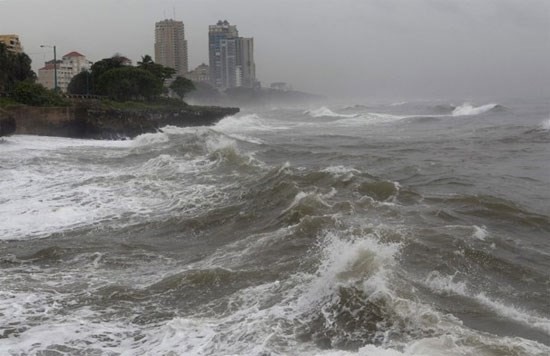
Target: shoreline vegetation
{"points": [[113, 100]]}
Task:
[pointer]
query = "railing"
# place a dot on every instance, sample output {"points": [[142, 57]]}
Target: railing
{"points": [[4, 94], [83, 96]]}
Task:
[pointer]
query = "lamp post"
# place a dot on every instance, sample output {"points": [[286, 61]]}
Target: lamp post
{"points": [[54, 64]]}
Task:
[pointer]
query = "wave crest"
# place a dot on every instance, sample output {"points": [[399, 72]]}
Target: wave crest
{"points": [[545, 125], [326, 112], [468, 109]]}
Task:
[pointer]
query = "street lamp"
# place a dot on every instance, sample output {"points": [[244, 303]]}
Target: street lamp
{"points": [[54, 64]]}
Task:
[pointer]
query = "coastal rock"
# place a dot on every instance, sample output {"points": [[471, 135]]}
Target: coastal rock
{"points": [[7, 123], [97, 123]]}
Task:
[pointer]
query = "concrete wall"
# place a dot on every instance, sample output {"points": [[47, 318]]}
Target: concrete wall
{"points": [[7, 123], [97, 123], [47, 121]]}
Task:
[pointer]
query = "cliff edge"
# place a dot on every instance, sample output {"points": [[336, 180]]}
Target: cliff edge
{"points": [[96, 122]]}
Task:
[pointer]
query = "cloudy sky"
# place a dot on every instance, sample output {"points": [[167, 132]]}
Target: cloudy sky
{"points": [[378, 48]]}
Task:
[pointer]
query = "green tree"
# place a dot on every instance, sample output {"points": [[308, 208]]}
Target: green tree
{"points": [[81, 84], [111, 77], [129, 83], [101, 67], [158, 70], [181, 86], [35, 94], [14, 68]]}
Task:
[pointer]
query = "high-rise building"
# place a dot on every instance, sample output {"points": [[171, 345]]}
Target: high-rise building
{"points": [[245, 62], [12, 43], [231, 57], [171, 46], [222, 54]]}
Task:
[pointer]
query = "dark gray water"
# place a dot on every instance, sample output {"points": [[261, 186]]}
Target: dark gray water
{"points": [[406, 229]]}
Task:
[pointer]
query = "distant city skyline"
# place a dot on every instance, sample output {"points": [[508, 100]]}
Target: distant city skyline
{"points": [[384, 48]]}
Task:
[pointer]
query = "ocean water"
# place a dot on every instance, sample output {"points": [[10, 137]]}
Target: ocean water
{"points": [[411, 228]]}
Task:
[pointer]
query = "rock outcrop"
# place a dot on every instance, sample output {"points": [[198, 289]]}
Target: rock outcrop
{"points": [[81, 121], [7, 123]]}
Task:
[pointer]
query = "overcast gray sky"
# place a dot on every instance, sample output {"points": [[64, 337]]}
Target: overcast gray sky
{"points": [[382, 48]]}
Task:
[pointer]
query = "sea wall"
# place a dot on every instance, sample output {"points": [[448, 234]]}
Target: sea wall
{"points": [[7, 123], [98, 123]]}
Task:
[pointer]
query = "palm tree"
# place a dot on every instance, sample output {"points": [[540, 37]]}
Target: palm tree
{"points": [[146, 61]]}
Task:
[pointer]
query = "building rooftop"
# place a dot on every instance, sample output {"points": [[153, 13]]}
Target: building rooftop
{"points": [[74, 54], [49, 66]]}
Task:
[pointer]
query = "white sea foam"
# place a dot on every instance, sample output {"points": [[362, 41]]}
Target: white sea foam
{"points": [[42, 198], [47, 143], [468, 109], [255, 324], [447, 285], [250, 122], [545, 125], [388, 117], [151, 139], [480, 232], [368, 119], [347, 262], [326, 112], [514, 313], [340, 170], [75, 335], [310, 197], [464, 342], [216, 143]]}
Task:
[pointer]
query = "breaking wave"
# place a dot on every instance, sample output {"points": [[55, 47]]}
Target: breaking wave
{"points": [[545, 125], [326, 112], [449, 286], [468, 109]]}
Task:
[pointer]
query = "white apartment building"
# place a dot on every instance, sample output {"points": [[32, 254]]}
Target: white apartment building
{"points": [[70, 65]]}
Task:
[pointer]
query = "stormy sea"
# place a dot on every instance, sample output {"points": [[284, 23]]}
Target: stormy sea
{"points": [[398, 228]]}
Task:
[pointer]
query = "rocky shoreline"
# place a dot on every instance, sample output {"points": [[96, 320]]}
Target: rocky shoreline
{"points": [[92, 122]]}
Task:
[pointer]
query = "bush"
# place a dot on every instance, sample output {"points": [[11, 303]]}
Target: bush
{"points": [[33, 94]]}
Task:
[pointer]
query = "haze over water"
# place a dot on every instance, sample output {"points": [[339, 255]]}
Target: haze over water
{"points": [[411, 228]]}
